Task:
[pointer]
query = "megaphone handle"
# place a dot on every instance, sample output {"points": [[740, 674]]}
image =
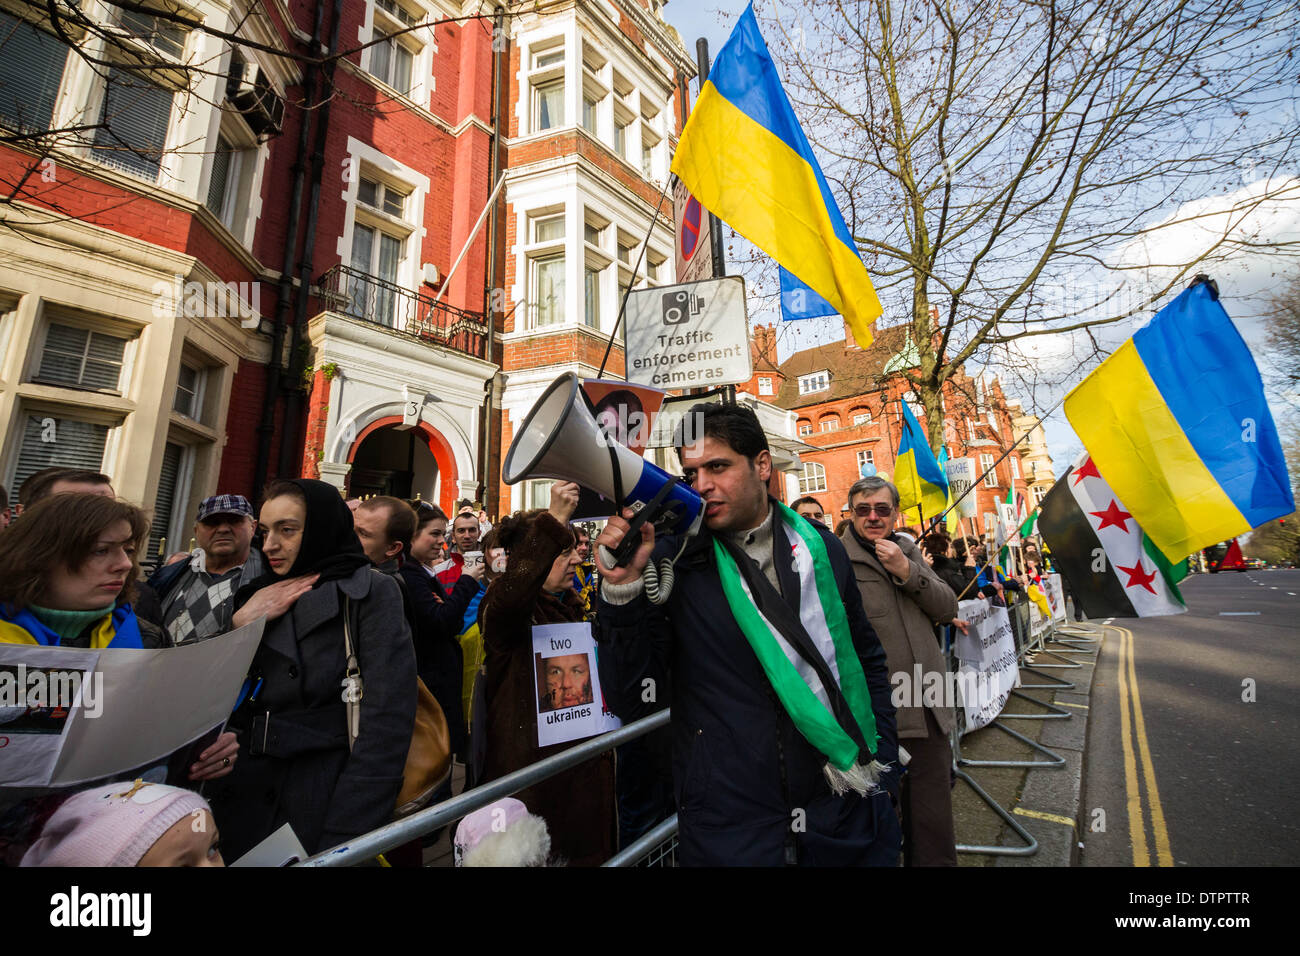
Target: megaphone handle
{"points": [[632, 540]]}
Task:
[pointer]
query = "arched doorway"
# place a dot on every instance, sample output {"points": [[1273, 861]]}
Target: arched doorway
{"points": [[404, 463]]}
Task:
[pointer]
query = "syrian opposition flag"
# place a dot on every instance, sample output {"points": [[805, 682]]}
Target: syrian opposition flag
{"points": [[1112, 567]]}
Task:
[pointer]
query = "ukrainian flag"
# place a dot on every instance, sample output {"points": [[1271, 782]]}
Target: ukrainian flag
{"points": [[744, 156], [1177, 422], [917, 475]]}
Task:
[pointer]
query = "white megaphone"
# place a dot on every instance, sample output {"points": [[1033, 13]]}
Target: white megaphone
{"points": [[561, 439]]}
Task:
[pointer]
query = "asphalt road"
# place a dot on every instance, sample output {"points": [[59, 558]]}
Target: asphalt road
{"points": [[1184, 770]]}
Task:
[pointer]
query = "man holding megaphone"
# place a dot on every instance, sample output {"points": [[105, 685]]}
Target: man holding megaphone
{"points": [[784, 741]]}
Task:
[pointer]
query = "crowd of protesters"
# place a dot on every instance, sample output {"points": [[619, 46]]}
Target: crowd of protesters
{"points": [[393, 593]]}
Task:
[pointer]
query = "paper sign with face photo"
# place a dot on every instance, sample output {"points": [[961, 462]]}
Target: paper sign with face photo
{"points": [[626, 413], [568, 684]]}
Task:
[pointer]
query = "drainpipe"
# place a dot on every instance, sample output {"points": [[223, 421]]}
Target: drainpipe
{"points": [[291, 439], [284, 290], [489, 280]]}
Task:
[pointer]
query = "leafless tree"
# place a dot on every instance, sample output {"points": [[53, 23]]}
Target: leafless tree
{"points": [[1024, 165]]}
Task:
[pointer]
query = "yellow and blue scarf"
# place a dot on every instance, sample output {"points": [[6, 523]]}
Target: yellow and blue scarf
{"points": [[118, 629]]}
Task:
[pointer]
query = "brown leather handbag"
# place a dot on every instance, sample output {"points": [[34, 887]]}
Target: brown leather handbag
{"points": [[428, 762]]}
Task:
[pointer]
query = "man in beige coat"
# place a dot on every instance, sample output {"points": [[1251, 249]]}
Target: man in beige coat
{"points": [[904, 599]]}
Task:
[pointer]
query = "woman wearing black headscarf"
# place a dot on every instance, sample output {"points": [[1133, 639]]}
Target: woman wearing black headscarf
{"points": [[296, 765]]}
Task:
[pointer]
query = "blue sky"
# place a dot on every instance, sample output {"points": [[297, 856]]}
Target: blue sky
{"points": [[703, 18]]}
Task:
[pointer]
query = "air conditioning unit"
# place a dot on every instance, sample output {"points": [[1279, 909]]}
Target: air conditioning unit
{"points": [[431, 275], [249, 90]]}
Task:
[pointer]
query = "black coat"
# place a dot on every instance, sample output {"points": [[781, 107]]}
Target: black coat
{"points": [[439, 618], [294, 764], [577, 804], [750, 789], [956, 575]]}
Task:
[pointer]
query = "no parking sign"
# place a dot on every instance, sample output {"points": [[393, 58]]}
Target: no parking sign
{"points": [[694, 246]]}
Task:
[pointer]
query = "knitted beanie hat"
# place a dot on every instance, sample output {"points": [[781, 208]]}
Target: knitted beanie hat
{"points": [[111, 825], [502, 834]]}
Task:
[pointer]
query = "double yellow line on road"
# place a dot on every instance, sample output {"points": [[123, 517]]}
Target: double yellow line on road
{"points": [[1133, 734]]}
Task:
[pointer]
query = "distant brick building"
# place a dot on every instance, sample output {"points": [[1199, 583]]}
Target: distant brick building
{"points": [[1035, 459], [847, 402]]}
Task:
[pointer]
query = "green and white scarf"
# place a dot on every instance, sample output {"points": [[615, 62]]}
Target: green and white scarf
{"points": [[810, 659]]}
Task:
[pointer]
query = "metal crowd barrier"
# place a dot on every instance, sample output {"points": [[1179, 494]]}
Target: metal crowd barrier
{"points": [[658, 846], [399, 832], [1028, 646]]}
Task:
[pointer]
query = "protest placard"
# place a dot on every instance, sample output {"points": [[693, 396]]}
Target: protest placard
{"points": [[569, 701], [986, 656], [125, 708]]}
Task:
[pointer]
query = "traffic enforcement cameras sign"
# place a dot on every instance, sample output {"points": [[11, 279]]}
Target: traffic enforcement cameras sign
{"points": [[689, 336]]}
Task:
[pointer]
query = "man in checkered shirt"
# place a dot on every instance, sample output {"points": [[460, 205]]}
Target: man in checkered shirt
{"points": [[197, 595]]}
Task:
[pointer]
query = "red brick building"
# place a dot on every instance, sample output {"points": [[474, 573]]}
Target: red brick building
{"points": [[241, 270], [847, 402]]}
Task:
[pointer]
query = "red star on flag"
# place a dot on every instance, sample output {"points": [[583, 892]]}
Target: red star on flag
{"points": [[1086, 470], [1112, 516], [1136, 576]]}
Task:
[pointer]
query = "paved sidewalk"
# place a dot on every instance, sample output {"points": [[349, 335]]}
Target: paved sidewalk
{"points": [[1044, 800]]}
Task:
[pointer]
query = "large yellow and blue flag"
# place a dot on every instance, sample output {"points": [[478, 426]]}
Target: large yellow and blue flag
{"points": [[917, 475], [744, 156], [1177, 421]]}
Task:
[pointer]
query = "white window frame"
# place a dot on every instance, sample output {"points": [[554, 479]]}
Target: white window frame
{"points": [[540, 251], [175, 535], [241, 201], [805, 429], [861, 418], [815, 382], [986, 462], [200, 385], [81, 413], [54, 44], [813, 478], [364, 161], [765, 385], [831, 423], [132, 341], [102, 153], [1015, 466], [540, 78], [865, 457], [420, 44], [537, 490]]}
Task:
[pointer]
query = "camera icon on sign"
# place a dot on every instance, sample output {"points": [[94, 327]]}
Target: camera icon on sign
{"points": [[678, 307]]}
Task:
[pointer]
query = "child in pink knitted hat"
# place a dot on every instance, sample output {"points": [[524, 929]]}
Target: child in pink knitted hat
{"points": [[129, 824], [502, 834]]}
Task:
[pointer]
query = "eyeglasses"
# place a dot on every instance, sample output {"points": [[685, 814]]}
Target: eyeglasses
{"points": [[881, 510]]}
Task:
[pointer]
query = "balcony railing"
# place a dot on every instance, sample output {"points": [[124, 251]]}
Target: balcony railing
{"points": [[372, 299]]}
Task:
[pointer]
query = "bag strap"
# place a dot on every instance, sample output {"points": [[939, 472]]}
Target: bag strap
{"points": [[352, 685]]}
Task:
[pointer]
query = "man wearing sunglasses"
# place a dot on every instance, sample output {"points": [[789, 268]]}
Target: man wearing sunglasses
{"points": [[766, 772], [904, 599]]}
